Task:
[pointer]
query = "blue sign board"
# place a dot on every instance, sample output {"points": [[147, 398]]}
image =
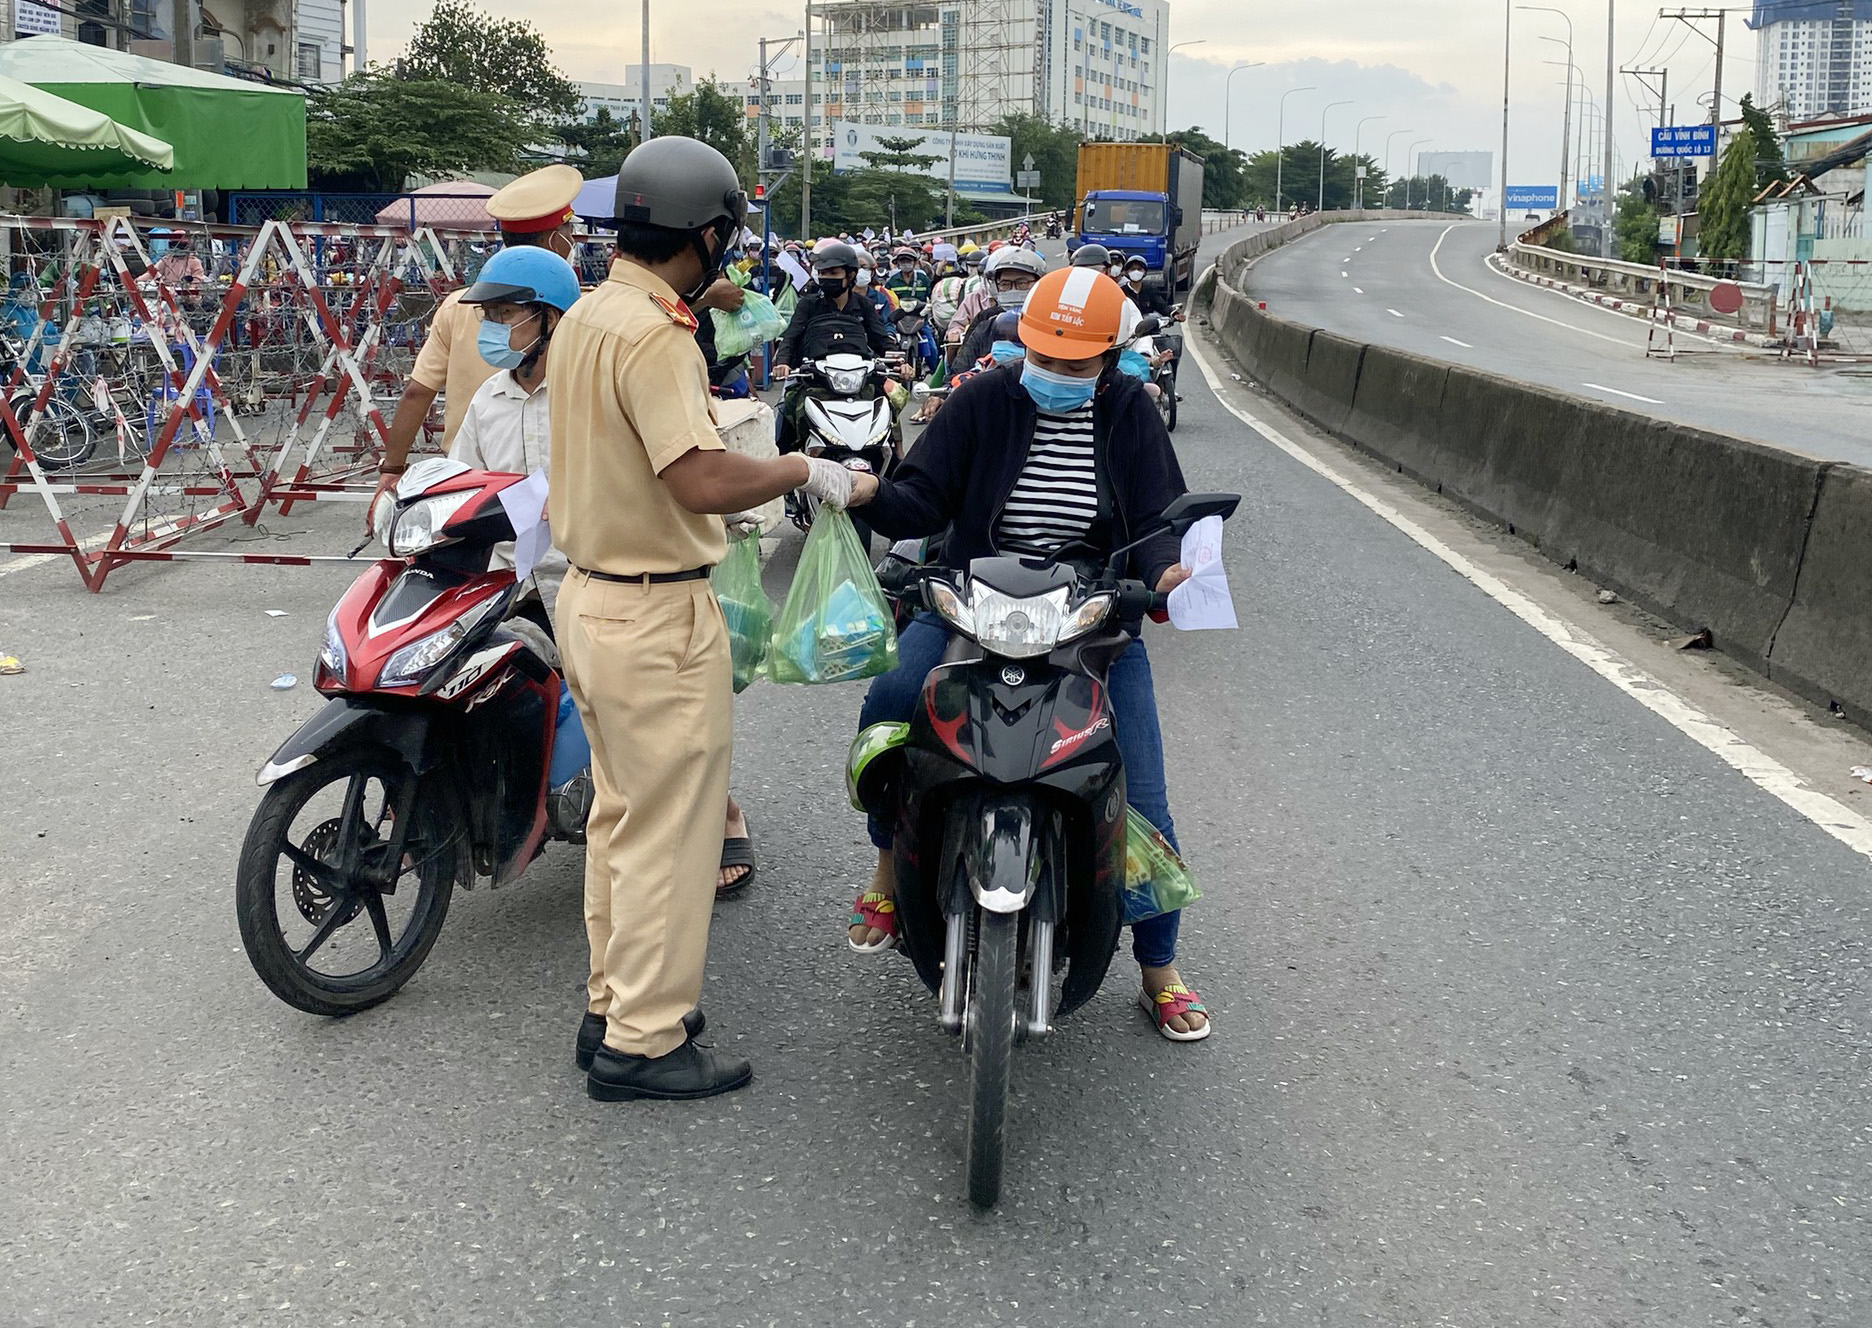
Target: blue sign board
{"points": [[1683, 141], [1534, 197]]}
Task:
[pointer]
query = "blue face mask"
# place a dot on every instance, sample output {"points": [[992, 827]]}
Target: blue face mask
{"points": [[1056, 393], [1003, 351], [491, 341]]}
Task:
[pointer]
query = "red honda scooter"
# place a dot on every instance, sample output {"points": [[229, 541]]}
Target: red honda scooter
{"points": [[428, 765]]}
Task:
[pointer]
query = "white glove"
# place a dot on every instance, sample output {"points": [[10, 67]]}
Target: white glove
{"points": [[742, 524], [829, 482]]}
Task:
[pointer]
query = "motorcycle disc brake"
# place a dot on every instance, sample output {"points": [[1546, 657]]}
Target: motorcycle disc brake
{"points": [[312, 899]]}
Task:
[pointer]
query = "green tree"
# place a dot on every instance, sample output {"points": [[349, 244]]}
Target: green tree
{"points": [[1055, 153], [373, 131], [900, 154], [1635, 224], [596, 146], [1428, 193], [1770, 164], [1723, 206], [508, 57]]}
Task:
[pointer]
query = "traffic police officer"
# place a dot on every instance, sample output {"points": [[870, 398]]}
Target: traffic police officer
{"points": [[535, 209], [639, 481]]}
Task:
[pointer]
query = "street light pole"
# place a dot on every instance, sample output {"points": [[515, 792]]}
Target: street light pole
{"points": [[1227, 87], [1280, 142], [1387, 162], [643, 99], [810, 144], [1320, 206], [1566, 123], [1408, 153], [1605, 183], [1198, 41], [1358, 185], [1507, 64]]}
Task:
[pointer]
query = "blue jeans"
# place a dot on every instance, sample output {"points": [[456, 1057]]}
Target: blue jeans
{"points": [[1134, 717]]}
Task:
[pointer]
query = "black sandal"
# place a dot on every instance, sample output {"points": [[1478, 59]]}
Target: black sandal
{"points": [[738, 852]]}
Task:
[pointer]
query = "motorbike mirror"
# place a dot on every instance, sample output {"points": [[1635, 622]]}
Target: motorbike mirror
{"points": [[1148, 326], [1186, 511], [921, 391]]}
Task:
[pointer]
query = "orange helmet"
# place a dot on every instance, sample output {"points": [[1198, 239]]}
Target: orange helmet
{"points": [[1072, 313]]}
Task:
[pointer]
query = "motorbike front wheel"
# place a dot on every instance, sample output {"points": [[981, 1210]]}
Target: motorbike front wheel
{"points": [[990, 1025], [345, 879], [1167, 402]]}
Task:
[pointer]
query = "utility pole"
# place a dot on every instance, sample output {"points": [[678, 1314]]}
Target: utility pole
{"points": [[643, 93], [1690, 18], [811, 144], [1661, 90]]}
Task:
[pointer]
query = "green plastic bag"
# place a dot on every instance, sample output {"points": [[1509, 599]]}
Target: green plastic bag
{"points": [[737, 584], [739, 331], [836, 625], [1156, 879]]}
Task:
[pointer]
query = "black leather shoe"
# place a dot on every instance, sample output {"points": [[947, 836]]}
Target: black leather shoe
{"points": [[687, 1072], [592, 1030]]}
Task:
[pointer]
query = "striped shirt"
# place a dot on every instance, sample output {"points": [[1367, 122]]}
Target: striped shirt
{"points": [[1055, 500]]}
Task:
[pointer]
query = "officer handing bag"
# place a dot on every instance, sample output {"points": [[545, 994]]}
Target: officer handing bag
{"points": [[639, 482]]}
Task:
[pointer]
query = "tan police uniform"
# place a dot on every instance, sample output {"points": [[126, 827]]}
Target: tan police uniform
{"points": [[450, 362], [644, 645]]}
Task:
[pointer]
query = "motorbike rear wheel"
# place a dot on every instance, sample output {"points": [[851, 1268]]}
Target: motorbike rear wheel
{"points": [[990, 1024], [314, 890], [1167, 402]]}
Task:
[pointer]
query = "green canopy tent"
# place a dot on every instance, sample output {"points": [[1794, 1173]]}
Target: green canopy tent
{"points": [[226, 133], [46, 140]]}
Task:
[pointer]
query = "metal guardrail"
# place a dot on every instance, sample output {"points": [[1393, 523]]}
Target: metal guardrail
{"points": [[1689, 291]]}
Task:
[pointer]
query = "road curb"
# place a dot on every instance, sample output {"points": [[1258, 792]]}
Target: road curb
{"points": [[1639, 309]]}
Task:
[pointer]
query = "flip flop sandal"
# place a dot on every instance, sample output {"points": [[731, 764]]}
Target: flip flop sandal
{"points": [[738, 852], [878, 911], [1172, 1001]]}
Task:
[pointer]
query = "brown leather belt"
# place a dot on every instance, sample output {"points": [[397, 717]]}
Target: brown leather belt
{"points": [[648, 578]]}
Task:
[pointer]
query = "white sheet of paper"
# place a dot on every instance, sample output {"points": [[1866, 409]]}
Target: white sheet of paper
{"points": [[1203, 603], [791, 266], [525, 505]]}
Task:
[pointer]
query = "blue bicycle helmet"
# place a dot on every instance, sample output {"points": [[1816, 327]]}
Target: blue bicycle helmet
{"points": [[525, 274]]}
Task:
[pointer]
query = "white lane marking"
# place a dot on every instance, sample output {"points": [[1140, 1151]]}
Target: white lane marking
{"points": [[1585, 332], [27, 562], [1394, 313], [1706, 731], [1359, 250], [1345, 274], [1465, 345], [1601, 387], [1358, 290]]}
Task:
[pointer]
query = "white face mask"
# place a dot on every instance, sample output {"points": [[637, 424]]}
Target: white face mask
{"points": [[864, 277], [1135, 276], [1114, 269]]}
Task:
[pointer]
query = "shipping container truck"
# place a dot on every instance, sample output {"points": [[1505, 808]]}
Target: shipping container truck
{"points": [[1141, 198]]}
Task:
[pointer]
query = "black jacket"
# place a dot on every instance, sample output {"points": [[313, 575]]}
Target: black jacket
{"points": [[1151, 298], [818, 324], [963, 468]]}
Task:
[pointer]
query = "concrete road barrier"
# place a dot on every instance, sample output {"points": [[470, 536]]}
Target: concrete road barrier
{"points": [[1766, 548], [1824, 648]]}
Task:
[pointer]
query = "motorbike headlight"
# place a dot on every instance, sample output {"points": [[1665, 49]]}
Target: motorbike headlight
{"points": [[418, 528], [1087, 616], [847, 382], [410, 663], [332, 653], [1017, 628]]}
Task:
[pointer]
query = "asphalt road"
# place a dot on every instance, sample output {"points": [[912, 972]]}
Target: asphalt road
{"points": [[1530, 1011], [1424, 287]]}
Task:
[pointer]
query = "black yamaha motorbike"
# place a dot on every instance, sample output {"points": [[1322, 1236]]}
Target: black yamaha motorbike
{"points": [[1007, 793]]}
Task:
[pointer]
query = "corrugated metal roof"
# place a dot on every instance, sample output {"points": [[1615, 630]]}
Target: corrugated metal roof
{"points": [[1788, 11]]}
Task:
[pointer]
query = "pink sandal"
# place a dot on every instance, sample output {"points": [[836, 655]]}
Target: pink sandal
{"points": [[879, 912], [1172, 1001]]}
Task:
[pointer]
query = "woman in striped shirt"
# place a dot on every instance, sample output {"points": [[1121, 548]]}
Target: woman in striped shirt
{"points": [[1022, 460]]}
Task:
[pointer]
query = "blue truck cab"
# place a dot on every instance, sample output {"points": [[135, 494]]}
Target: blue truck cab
{"points": [[1142, 198]]}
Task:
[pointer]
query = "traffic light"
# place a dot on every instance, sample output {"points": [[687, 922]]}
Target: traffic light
{"points": [[760, 193]]}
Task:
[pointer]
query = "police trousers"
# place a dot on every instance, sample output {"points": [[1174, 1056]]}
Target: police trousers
{"points": [[649, 669]]}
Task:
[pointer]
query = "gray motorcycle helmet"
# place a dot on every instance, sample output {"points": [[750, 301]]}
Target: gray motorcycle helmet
{"points": [[683, 184], [834, 255], [1091, 255]]}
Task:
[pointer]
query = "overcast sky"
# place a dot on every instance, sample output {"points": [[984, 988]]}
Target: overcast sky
{"points": [[1430, 66]]}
